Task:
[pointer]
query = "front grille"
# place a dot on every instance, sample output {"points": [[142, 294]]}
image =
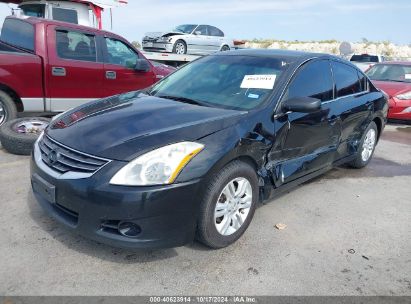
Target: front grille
{"points": [[64, 159], [149, 39]]}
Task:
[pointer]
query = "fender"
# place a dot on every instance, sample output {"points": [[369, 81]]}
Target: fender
{"points": [[250, 147]]}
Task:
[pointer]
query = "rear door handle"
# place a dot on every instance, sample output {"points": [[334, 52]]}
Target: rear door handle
{"points": [[111, 75], [58, 71]]}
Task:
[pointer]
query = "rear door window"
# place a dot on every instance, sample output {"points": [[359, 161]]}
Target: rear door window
{"points": [[18, 33], [346, 79], [76, 45], [363, 81], [213, 31], [312, 80]]}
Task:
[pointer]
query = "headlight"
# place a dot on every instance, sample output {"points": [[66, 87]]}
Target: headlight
{"points": [[158, 167], [404, 96]]}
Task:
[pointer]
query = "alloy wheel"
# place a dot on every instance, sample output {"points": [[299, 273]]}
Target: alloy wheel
{"points": [[180, 48], [233, 206], [368, 145], [3, 113]]}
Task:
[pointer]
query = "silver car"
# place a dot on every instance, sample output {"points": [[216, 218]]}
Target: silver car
{"points": [[199, 39]]}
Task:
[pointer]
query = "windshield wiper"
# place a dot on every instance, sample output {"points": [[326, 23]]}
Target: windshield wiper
{"points": [[183, 99]]}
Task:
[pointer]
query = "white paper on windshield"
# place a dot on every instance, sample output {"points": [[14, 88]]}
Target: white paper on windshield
{"points": [[258, 82], [407, 76]]}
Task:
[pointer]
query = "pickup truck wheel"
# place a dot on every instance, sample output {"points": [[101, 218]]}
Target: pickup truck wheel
{"points": [[17, 136], [180, 47], [7, 108], [228, 205]]}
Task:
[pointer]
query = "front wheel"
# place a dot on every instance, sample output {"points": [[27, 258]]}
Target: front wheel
{"points": [[180, 47], [228, 205], [367, 147]]}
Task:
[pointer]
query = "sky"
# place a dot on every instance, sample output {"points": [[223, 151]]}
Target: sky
{"points": [[303, 20]]}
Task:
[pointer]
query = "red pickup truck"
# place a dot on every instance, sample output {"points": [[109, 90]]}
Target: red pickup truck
{"points": [[51, 66]]}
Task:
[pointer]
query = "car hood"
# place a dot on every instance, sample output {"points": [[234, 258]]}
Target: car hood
{"points": [[123, 126], [160, 34], [393, 88]]}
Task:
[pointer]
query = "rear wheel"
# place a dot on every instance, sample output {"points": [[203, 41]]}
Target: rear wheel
{"points": [[180, 47], [367, 147], [225, 48], [8, 109], [228, 205]]}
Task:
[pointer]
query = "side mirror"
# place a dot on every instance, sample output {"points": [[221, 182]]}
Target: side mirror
{"points": [[142, 65], [197, 33], [302, 104]]}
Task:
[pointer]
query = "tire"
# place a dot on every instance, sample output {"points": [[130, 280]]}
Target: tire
{"points": [[366, 144], [21, 143], [8, 108], [180, 47], [225, 48], [207, 231]]}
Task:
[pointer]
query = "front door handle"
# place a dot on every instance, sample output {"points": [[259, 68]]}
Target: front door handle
{"points": [[111, 75], [58, 71]]}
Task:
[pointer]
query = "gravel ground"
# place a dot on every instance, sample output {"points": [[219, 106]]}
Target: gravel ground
{"points": [[348, 233]]}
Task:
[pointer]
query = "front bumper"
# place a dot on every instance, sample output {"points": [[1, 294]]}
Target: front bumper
{"points": [[157, 46], [167, 215]]}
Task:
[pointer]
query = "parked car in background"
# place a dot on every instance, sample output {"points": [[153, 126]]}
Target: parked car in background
{"points": [[162, 70], [51, 66], [196, 153], [365, 61], [394, 78], [198, 39]]}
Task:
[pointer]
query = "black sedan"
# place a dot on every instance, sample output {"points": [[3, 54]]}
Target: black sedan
{"points": [[193, 156]]}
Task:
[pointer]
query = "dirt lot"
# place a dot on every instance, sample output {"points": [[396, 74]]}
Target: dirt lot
{"points": [[348, 233]]}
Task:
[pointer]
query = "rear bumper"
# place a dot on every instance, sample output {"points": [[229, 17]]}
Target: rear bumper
{"points": [[166, 215], [157, 46]]}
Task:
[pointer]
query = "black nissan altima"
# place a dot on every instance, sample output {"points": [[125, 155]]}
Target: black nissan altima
{"points": [[193, 156]]}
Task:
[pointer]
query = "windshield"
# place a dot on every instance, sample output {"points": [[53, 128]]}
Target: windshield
{"points": [[232, 82], [364, 58], [33, 10], [185, 28], [390, 72]]}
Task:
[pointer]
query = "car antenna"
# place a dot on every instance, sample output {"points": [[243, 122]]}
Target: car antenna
{"points": [[111, 18]]}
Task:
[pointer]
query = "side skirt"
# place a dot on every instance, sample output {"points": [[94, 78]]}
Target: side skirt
{"points": [[277, 192]]}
